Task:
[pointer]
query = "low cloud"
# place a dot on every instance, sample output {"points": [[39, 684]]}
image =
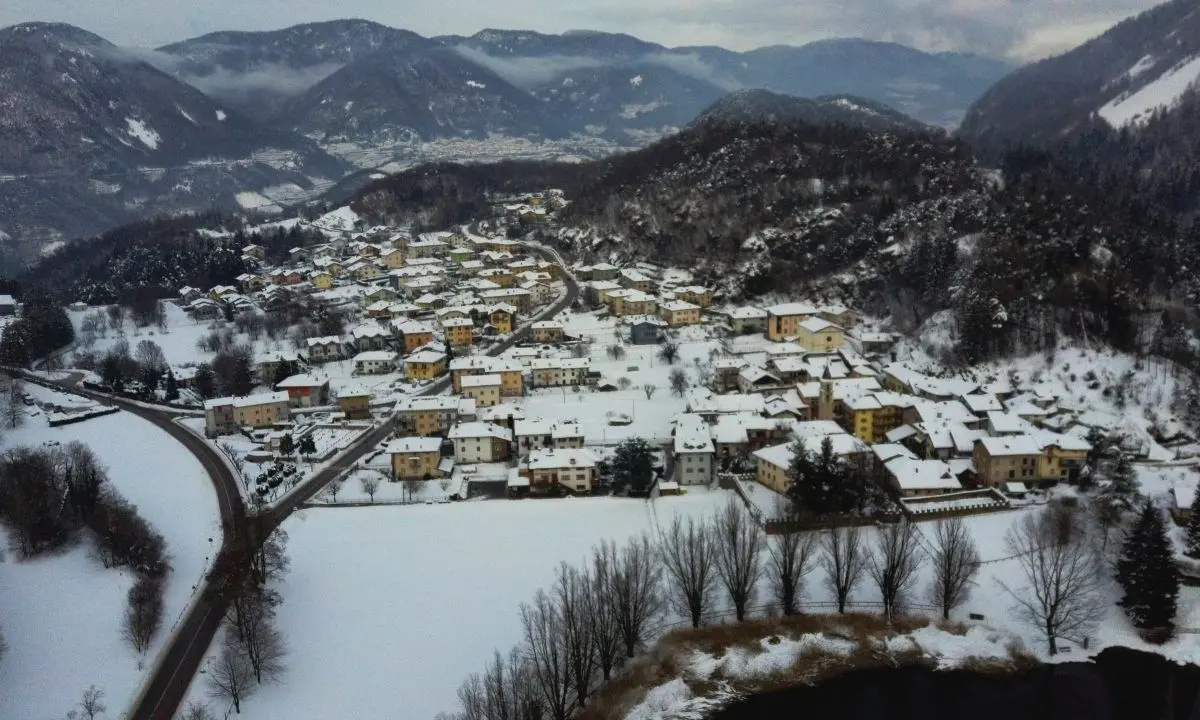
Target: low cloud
{"points": [[526, 72], [277, 79]]}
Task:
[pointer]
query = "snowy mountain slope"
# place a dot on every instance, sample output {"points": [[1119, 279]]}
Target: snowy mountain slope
{"points": [[91, 136], [1121, 76]]}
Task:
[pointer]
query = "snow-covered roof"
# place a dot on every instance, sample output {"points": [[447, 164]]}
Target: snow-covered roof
{"points": [[560, 364], [678, 306], [471, 381], [414, 445], [795, 308], [705, 401], [748, 312], [547, 325], [353, 391], [425, 356], [692, 434], [1011, 445], [485, 363], [566, 458], [302, 381], [376, 356], [911, 474], [479, 430], [1007, 423], [816, 325], [369, 331], [982, 403], [535, 427], [442, 403], [261, 399], [890, 451]]}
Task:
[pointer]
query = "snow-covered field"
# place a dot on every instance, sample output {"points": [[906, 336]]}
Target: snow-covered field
{"points": [[386, 609], [62, 615]]}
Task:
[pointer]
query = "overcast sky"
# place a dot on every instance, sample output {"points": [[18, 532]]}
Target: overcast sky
{"points": [[1018, 29]]}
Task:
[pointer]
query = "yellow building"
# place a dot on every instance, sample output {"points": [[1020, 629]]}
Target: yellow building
{"points": [[393, 258], [819, 336], [430, 415], [365, 271], [261, 410], [782, 320], [415, 458], [1063, 458], [417, 339], [1000, 460], [695, 294], [485, 390], [548, 331], [504, 318], [632, 302], [679, 312], [501, 276], [459, 331], [355, 403], [425, 365], [321, 280]]}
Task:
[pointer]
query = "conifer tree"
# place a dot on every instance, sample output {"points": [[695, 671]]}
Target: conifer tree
{"points": [[1193, 530], [1147, 574], [171, 391], [1124, 489]]}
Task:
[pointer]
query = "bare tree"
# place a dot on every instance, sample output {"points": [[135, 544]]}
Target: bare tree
{"points": [[615, 352], [333, 488], [116, 317], [843, 560], [197, 711], [503, 692], [260, 640], [602, 607], [1062, 574], [412, 486], [548, 656], [150, 355], [649, 389], [14, 402], [143, 612], [237, 461], [90, 705], [738, 542], [790, 556], [678, 381], [637, 591], [689, 559], [955, 562], [230, 675], [571, 596], [668, 353], [370, 484], [894, 564]]}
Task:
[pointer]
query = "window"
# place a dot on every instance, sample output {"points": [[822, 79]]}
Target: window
{"points": [[1011, 474]]}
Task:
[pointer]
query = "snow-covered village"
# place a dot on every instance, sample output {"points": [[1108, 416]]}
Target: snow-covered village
{"points": [[438, 436]]}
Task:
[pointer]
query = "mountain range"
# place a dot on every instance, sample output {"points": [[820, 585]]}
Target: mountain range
{"points": [[95, 135]]}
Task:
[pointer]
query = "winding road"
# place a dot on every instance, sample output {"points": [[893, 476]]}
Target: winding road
{"points": [[180, 660]]}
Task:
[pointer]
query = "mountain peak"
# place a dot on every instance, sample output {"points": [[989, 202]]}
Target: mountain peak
{"points": [[52, 33]]}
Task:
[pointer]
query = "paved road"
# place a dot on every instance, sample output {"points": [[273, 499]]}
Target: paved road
{"points": [[179, 664]]}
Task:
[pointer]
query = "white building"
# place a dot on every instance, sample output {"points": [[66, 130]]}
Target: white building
{"points": [[375, 362], [694, 451], [480, 442]]}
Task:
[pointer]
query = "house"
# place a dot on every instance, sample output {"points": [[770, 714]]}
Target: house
{"points": [[415, 458], [632, 302], [748, 320], [461, 255], [874, 343], [201, 309], [548, 331], [570, 470], [324, 349], [838, 315], [370, 337], [425, 365], [694, 451], [224, 415], [772, 463], [412, 334], [645, 330], [483, 389], [782, 320], [258, 252], [433, 415], [512, 382], [321, 280], [754, 379], [392, 258], [1063, 456], [355, 402], [679, 312], [634, 280], [379, 293], [999, 460], [502, 277], [530, 435], [479, 442], [287, 277], [378, 310], [375, 362], [558, 372], [819, 336], [520, 297], [305, 390], [695, 294], [249, 282], [604, 271], [920, 478], [426, 248], [503, 317], [459, 331]]}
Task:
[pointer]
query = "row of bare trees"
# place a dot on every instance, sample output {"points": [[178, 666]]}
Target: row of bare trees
{"points": [[592, 620], [253, 649]]}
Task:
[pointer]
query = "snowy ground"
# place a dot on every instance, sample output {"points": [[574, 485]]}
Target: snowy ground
{"points": [[56, 651], [425, 595]]}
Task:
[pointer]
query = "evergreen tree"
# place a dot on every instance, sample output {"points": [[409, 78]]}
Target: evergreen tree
{"points": [[205, 381], [243, 377], [1193, 530], [307, 446], [287, 445], [819, 482], [1123, 490], [282, 372], [171, 391], [633, 466], [1147, 574]]}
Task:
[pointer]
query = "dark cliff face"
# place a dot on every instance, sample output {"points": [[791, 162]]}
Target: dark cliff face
{"points": [[1118, 685]]}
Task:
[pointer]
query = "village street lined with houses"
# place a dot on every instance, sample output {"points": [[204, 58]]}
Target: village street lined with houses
{"points": [[411, 410]]}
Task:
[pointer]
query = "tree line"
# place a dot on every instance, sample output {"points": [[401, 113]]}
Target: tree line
{"points": [[597, 617], [48, 496], [41, 328]]}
